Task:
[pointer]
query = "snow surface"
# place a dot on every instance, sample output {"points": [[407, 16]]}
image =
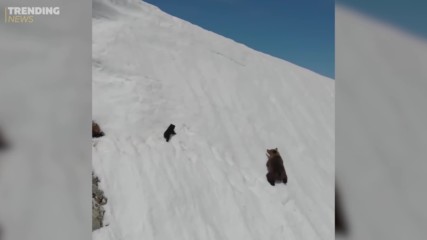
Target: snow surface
{"points": [[229, 104], [381, 167], [45, 114]]}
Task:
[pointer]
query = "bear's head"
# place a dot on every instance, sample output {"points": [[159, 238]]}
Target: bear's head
{"points": [[273, 152]]}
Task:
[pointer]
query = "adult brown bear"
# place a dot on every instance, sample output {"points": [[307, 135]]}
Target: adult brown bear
{"points": [[275, 167]]}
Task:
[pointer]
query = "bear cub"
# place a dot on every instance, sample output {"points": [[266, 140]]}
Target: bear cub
{"points": [[169, 132], [4, 145], [275, 167], [96, 130]]}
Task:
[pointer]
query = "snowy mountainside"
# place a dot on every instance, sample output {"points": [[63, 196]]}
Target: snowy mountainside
{"points": [[381, 69], [229, 104]]}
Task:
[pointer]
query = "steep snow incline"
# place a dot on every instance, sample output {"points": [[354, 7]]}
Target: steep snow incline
{"points": [[229, 104], [382, 76]]}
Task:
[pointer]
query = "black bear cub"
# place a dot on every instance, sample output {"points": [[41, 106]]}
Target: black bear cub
{"points": [[275, 167], [340, 220], [169, 132], [4, 145], [96, 130]]}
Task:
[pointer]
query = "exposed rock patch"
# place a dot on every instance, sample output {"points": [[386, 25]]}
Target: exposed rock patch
{"points": [[98, 201]]}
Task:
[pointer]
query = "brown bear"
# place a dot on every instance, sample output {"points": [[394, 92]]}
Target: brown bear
{"points": [[276, 169], [96, 130]]}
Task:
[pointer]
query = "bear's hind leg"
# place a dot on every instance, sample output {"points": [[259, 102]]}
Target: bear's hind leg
{"points": [[270, 179], [285, 179]]}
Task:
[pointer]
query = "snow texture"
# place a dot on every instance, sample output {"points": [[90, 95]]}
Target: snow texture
{"points": [[381, 167], [229, 104], [45, 108]]}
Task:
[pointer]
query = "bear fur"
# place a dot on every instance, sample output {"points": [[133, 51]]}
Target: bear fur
{"points": [[4, 145], [96, 130], [169, 132], [340, 220], [275, 167]]}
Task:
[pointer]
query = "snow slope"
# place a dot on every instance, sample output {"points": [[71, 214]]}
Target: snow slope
{"points": [[381, 72], [229, 104], [45, 108]]}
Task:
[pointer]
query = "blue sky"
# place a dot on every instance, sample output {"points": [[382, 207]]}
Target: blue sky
{"points": [[299, 31], [409, 15]]}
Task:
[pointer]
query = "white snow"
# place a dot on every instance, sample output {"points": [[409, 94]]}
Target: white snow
{"points": [[45, 113], [229, 104], [381, 136]]}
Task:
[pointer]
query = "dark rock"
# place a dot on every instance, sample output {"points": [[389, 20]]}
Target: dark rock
{"points": [[98, 200]]}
